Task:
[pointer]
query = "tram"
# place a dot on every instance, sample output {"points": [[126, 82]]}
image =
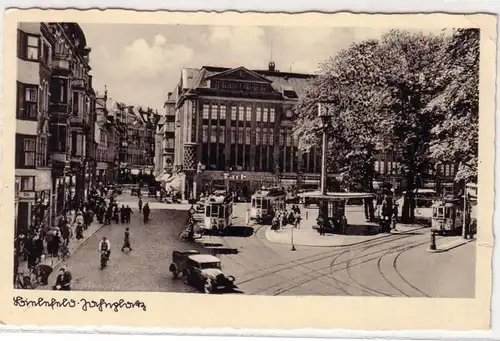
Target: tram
{"points": [[265, 202], [447, 216], [218, 211]]}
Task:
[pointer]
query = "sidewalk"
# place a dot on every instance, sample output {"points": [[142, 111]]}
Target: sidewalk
{"points": [[449, 243], [307, 236], [72, 246]]}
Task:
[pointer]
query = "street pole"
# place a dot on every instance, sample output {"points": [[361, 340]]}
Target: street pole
{"points": [[323, 155], [293, 245], [464, 217]]}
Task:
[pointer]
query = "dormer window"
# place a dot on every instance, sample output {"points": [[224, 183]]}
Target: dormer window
{"points": [[289, 92]]}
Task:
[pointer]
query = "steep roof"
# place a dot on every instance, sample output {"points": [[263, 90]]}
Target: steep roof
{"points": [[282, 82]]}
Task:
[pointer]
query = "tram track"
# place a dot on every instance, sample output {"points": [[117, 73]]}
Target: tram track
{"points": [[365, 288], [308, 275], [316, 258]]}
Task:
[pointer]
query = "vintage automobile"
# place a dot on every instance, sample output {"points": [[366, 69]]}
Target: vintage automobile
{"points": [[135, 190], [200, 270]]}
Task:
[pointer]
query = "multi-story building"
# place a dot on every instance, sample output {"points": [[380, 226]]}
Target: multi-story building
{"points": [[237, 123], [33, 173], [72, 118]]}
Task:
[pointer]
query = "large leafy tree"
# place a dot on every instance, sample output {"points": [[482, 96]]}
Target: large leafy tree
{"points": [[380, 89], [455, 137]]}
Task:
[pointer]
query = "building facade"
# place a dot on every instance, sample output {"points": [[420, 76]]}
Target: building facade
{"points": [[237, 124], [33, 173], [55, 118]]}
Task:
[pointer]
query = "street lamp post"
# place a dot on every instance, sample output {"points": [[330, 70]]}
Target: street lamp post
{"points": [[325, 116]]}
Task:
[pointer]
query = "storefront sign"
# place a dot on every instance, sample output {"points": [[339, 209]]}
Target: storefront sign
{"points": [[27, 195]]}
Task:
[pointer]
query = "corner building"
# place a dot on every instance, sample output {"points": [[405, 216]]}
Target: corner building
{"points": [[236, 125]]}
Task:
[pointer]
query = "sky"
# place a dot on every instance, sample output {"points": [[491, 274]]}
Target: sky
{"points": [[140, 64]]}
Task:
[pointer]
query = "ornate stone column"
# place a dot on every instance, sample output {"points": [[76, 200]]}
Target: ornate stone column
{"points": [[189, 166]]}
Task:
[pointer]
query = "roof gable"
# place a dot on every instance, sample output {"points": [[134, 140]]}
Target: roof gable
{"points": [[240, 73]]}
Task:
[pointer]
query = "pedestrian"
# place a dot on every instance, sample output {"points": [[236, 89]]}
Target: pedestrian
{"points": [[128, 212], [63, 281], [38, 247], [79, 231], [43, 272], [140, 204], [116, 214], [123, 214], [56, 241], [126, 241], [146, 212]]}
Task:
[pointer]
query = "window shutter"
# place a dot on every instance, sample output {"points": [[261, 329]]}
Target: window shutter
{"points": [[19, 151], [20, 99]]}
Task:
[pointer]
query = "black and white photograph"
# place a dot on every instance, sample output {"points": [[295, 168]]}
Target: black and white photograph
{"points": [[248, 160], [235, 160]]}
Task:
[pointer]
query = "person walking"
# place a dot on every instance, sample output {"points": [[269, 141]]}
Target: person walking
{"points": [[126, 241], [123, 214], [79, 231], [140, 204], [128, 213], [146, 212], [63, 281]]}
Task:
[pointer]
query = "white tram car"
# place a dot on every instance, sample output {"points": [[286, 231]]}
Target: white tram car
{"points": [[447, 216], [218, 211], [265, 202]]}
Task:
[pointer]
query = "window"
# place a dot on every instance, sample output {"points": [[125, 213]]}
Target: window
{"points": [[258, 114], [41, 155], [223, 112], [233, 135], [271, 136], [32, 47], [257, 135], [264, 117], [25, 151], [222, 136], [27, 183], [27, 101], [271, 115], [240, 135], [233, 113], [377, 166], [282, 138], [206, 111], [213, 134], [249, 114], [241, 113], [289, 113], [77, 144], [289, 138], [57, 139], [248, 135], [264, 136], [205, 133]]}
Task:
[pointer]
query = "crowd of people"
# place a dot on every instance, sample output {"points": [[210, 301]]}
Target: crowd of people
{"points": [[283, 217]]}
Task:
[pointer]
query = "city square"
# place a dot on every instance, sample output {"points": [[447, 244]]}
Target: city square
{"points": [[338, 181]]}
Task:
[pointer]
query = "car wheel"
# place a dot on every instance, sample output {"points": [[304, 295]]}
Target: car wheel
{"points": [[208, 287]]}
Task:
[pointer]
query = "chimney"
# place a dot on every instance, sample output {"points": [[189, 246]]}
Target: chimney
{"points": [[272, 66]]}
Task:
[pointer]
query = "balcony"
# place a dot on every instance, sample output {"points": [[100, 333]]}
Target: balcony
{"points": [[76, 121], [79, 83]]}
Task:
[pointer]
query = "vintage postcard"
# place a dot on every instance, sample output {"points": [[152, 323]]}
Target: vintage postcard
{"points": [[247, 170]]}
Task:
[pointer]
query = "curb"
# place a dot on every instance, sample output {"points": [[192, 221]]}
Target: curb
{"points": [[342, 245], [451, 245], [76, 249]]}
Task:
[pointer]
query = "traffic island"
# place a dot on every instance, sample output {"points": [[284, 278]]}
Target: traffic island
{"points": [[448, 243]]}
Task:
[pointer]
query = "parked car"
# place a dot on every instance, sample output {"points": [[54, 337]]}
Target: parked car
{"points": [[135, 190], [200, 270]]}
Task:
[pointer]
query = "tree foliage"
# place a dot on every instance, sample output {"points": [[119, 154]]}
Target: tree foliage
{"points": [[408, 93], [457, 106]]}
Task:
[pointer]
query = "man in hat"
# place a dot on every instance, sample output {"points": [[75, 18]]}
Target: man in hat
{"points": [[63, 281]]}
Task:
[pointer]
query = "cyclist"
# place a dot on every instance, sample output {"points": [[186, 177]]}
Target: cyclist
{"points": [[105, 246]]}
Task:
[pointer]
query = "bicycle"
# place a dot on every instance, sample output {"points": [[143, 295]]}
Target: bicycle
{"points": [[64, 253]]}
